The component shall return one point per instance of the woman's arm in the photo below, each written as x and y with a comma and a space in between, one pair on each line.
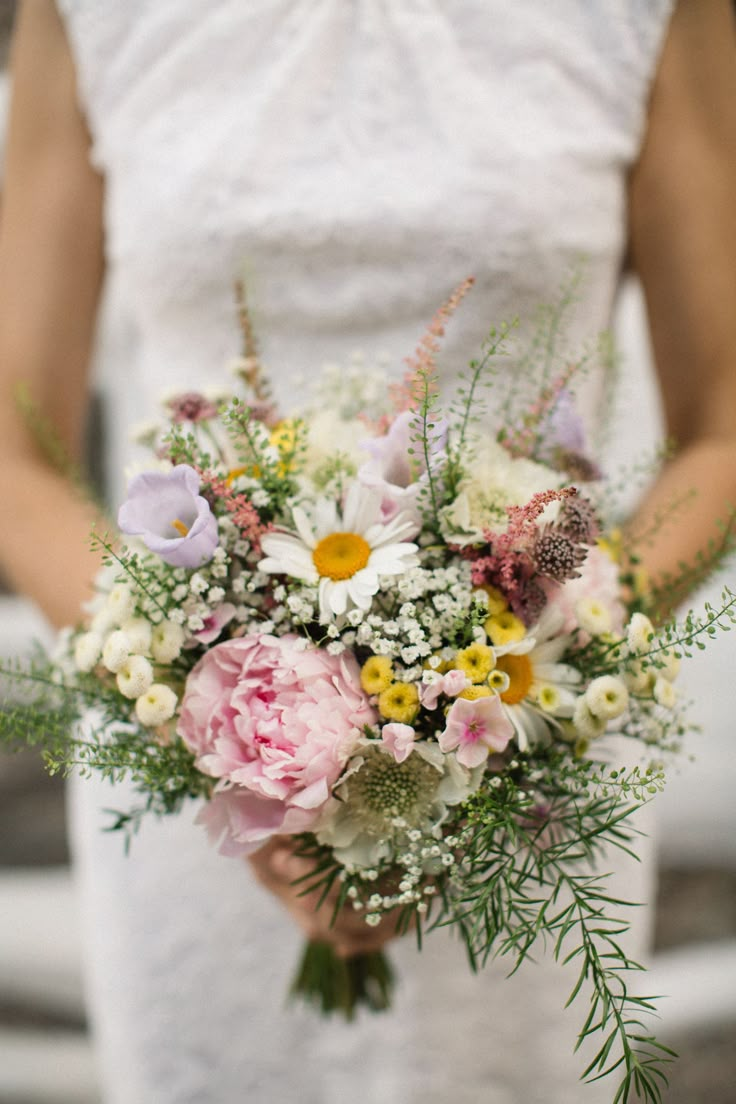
51, 268
683, 245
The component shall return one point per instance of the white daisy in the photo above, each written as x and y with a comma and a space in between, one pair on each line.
346, 552
540, 688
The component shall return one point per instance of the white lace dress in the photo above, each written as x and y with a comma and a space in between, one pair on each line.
355, 159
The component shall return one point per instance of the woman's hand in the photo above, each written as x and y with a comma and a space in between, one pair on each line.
277, 867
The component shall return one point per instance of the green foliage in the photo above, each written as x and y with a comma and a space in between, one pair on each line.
85, 726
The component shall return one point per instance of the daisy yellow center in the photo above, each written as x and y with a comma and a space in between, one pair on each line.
341, 555
519, 670
180, 527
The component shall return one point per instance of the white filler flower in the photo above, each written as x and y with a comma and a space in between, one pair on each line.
346, 555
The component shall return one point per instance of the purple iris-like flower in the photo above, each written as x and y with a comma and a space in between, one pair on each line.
396, 472
167, 512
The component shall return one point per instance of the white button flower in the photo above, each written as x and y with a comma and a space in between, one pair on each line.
156, 706
346, 554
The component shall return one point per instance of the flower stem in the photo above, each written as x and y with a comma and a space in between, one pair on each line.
343, 985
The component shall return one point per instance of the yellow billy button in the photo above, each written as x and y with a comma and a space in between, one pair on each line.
472, 693
476, 661
505, 628
519, 670
399, 702
341, 555
376, 674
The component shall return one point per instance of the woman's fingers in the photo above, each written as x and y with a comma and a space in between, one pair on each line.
278, 868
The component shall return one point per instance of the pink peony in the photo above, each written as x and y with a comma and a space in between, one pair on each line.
275, 723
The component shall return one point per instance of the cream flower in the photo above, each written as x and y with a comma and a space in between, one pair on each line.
494, 481
156, 706
346, 553
607, 697
87, 649
135, 676
639, 634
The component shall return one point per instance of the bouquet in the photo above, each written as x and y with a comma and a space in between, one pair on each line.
400, 635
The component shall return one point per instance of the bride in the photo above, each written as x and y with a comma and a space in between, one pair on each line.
357, 159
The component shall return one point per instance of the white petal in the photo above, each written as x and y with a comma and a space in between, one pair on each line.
390, 560
559, 674
326, 518
336, 594
361, 508
288, 556
304, 526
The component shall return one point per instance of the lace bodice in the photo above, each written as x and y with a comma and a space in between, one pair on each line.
353, 160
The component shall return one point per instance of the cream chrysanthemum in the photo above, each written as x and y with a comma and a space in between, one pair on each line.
345, 554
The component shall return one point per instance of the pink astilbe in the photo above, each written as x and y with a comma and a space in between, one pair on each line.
510, 563
238, 505
422, 363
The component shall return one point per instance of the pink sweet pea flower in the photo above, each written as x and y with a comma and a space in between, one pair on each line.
476, 728
275, 723
166, 510
399, 739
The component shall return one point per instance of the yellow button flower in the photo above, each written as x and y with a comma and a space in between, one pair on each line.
376, 674
505, 628
472, 693
399, 702
476, 661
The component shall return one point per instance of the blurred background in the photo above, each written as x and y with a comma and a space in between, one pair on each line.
45, 1051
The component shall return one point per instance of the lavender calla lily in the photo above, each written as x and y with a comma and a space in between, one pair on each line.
166, 510
393, 469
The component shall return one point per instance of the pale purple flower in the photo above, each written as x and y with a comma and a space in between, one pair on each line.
399, 739
393, 470
172, 519
476, 728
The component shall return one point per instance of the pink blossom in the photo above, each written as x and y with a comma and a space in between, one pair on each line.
215, 623
476, 728
394, 471
451, 684
191, 406
399, 739
275, 723
598, 580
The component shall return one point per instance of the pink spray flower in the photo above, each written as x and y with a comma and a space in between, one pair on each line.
399, 739
276, 724
215, 623
476, 728
451, 684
